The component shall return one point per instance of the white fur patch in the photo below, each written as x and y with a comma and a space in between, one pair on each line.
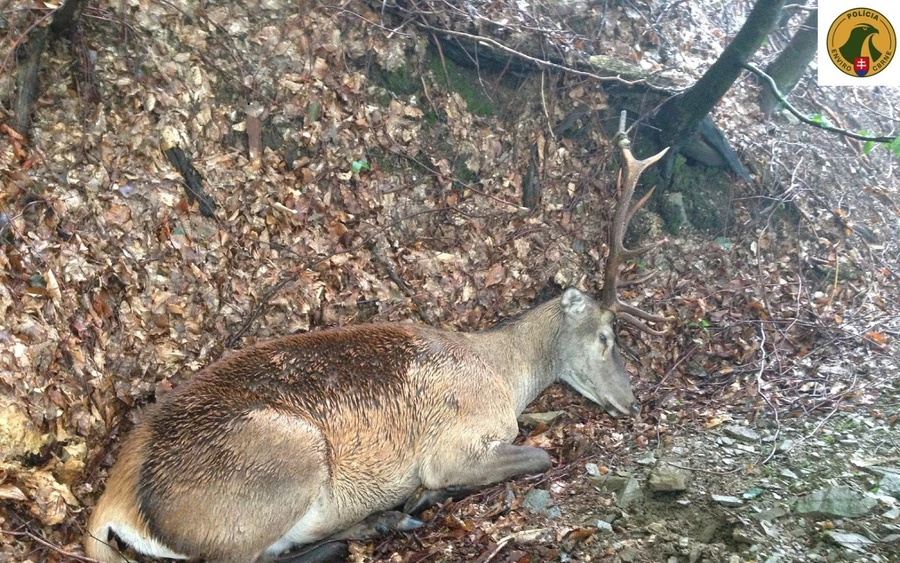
311, 527
143, 545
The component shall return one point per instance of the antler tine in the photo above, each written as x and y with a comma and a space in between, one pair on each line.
640, 203
618, 254
643, 326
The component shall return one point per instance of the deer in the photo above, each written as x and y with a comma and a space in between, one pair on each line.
315, 437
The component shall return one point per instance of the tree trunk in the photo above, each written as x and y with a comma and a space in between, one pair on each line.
680, 116
65, 18
788, 68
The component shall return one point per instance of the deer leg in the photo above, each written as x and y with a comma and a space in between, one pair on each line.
324, 552
462, 475
379, 524
423, 499
334, 548
500, 461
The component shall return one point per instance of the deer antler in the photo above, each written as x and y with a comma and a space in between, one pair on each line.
618, 254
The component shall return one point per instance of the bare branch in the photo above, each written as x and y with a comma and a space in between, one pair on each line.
787, 105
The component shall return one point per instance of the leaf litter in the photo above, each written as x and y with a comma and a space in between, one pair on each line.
115, 287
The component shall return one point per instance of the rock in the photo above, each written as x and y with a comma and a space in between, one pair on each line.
849, 540
592, 469
890, 485
741, 433
892, 514
752, 493
604, 527
666, 478
629, 555
708, 533
537, 500
609, 483
837, 502
787, 473
535, 418
726, 500
647, 459
675, 205
785, 446
630, 493
610, 517
771, 514
742, 535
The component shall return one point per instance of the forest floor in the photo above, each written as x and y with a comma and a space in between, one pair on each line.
769, 429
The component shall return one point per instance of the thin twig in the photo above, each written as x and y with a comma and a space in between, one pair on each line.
50, 545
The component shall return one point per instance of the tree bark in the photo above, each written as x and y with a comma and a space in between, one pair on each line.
65, 18
787, 69
680, 116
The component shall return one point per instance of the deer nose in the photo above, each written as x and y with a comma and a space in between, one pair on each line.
635, 408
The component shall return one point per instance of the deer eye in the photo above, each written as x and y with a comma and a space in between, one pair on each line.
603, 339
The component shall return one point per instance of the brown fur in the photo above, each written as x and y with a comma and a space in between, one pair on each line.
337, 424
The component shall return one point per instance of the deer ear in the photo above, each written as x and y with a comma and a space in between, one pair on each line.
573, 302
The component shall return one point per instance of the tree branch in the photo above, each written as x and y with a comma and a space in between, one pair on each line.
771, 84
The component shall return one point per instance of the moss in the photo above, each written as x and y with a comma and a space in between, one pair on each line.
401, 81
463, 81
707, 195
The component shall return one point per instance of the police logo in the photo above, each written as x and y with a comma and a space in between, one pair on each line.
861, 42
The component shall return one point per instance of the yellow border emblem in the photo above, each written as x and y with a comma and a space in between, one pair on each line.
861, 42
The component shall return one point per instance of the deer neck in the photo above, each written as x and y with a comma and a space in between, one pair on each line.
522, 351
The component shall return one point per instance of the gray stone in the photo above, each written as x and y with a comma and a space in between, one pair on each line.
836, 502
647, 459
742, 535
604, 527
708, 532
890, 485
892, 514
784, 446
666, 478
726, 500
788, 473
610, 517
849, 540
771, 514
537, 500
741, 433
631, 493
609, 483
629, 555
